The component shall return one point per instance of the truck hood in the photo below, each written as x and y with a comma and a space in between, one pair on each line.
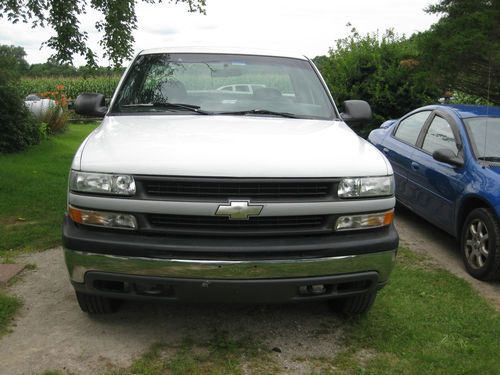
228, 146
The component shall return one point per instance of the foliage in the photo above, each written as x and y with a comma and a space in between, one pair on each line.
8, 306
462, 49
381, 69
73, 86
463, 98
18, 128
116, 26
33, 192
53, 69
13, 58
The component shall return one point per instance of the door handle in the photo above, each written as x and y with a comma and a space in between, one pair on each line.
415, 166
385, 150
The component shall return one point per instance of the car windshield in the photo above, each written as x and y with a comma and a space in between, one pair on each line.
244, 85
484, 133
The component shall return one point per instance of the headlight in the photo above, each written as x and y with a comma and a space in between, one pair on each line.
102, 183
105, 219
366, 187
366, 221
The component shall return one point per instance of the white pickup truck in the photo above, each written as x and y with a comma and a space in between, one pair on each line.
189, 193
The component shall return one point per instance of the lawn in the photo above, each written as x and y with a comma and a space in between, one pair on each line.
33, 192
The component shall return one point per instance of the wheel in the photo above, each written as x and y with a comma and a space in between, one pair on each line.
93, 304
354, 305
480, 244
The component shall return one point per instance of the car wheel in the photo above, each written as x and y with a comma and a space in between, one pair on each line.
480, 244
354, 305
93, 304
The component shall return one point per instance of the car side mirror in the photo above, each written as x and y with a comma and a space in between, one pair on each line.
445, 155
356, 112
91, 104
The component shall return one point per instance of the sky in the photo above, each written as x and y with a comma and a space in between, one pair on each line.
308, 27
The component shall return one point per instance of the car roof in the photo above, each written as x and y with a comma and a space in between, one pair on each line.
223, 50
469, 110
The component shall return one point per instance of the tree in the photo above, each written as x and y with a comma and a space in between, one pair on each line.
13, 58
118, 23
462, 49
381, 69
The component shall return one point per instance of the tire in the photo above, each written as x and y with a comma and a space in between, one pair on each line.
358, 304
480, 244
93, 304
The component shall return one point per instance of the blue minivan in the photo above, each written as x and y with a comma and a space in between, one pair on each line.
446, 161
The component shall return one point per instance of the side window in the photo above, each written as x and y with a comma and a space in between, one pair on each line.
439, 135
242, 88
409, 129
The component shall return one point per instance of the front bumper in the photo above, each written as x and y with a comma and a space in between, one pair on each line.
252, 270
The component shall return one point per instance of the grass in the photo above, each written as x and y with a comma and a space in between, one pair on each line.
33, 192
427, 321
8, 307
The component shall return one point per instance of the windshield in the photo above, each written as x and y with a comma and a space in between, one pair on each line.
223, 84
484, 133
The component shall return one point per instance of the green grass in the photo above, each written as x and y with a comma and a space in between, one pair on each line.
8, 307
427, 321
33, 192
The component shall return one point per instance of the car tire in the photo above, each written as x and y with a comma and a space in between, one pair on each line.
93, 304
480, 244
358, 304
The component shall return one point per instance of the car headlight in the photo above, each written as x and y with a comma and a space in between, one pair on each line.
366, 187
115, 220
102, 183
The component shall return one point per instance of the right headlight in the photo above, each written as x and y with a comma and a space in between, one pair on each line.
102, 183
359, 187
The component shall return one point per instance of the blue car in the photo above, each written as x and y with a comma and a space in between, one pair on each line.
446, 161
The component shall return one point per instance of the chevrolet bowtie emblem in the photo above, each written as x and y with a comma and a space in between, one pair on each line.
238, 210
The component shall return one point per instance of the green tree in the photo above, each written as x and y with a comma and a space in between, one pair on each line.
13, 59
116, 26
462, 49
381, 69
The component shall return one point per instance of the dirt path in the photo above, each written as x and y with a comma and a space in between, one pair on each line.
420, 236
51, 332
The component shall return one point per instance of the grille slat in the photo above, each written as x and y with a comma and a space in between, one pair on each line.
211, 189
221, 225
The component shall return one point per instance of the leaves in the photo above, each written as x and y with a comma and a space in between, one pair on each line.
118, 23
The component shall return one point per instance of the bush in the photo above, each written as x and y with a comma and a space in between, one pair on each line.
18, 128
383, 70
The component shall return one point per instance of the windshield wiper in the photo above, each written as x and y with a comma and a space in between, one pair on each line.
258, 112
168, 105
495, 159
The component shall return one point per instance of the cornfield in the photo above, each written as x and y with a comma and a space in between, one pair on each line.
73, 86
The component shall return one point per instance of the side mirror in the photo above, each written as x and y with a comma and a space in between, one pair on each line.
445, 155
356, 112
91, 104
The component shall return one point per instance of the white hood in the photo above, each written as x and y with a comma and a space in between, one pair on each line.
231, 146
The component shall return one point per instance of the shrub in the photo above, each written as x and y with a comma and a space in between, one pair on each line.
55, 118
18, 128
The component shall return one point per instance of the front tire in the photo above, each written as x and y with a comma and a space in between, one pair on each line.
93, 304
480, 244
358, 304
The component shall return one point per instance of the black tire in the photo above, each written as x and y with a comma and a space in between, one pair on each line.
358, 304
480, 244
93, 304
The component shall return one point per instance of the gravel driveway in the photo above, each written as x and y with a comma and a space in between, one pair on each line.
50, 332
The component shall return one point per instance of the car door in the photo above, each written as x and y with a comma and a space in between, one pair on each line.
434, 186
399, 147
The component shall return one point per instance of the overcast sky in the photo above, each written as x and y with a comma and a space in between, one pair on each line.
306, 26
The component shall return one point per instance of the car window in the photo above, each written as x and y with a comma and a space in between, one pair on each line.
439, 135
242, 88
409, 129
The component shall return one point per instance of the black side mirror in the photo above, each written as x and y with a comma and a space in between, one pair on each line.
356, 112
91, 104
445, 155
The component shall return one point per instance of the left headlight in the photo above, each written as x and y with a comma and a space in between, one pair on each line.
102, 183
366, 187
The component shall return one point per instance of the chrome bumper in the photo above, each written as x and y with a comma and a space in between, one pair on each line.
79, 263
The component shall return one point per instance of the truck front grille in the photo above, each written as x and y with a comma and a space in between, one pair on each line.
214, 225
223, 188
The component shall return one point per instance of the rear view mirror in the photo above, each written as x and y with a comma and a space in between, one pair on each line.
447, 156
356, 112
91, 104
